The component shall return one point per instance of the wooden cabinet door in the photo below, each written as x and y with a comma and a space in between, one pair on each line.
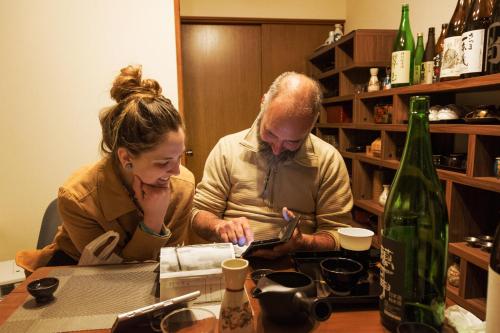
222, 84
286, 47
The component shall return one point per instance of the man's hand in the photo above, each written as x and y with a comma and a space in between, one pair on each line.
236, 231
154, 202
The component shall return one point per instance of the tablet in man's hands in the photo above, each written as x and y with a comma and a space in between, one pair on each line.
284, 236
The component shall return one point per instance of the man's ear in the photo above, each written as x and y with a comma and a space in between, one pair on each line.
124, 157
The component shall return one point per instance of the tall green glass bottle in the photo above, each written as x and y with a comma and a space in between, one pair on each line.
417, 61
403, 52
414, 232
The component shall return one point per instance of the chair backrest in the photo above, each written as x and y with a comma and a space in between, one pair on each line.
50, 222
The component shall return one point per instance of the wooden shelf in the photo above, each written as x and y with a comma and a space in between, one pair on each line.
334, 125
473, 255
370, 206
488, 130
355, 66
493, 130
486, 81
322, 51
338, 99
484, 183
328, 74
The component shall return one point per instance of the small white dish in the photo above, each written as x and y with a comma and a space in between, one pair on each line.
355, 239
446, 113
433, 112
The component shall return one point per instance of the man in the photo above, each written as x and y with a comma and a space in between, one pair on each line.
251, 175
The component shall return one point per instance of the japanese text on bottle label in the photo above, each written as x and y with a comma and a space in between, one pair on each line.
400, 67
473, 42
392, 277
428, 71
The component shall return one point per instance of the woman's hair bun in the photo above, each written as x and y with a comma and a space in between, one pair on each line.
129, 82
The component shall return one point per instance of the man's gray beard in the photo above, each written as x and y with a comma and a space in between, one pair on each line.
266, 150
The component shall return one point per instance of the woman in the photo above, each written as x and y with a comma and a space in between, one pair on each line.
138, 191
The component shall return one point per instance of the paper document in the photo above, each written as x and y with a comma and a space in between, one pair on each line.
194, 267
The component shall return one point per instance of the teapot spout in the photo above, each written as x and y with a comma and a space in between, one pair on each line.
256, 292
316, 308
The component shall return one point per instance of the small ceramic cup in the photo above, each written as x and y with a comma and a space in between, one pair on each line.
341, 274
355, 239
43, 289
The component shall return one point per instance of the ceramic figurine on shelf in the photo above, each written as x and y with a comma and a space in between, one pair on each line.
337, 32
330, 39
235, 312
373, 84
383, 196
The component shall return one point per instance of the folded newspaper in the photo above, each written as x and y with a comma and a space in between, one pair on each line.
195, 267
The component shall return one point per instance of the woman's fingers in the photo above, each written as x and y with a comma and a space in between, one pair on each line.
137, 187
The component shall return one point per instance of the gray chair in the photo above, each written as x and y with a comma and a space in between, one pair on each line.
50, 222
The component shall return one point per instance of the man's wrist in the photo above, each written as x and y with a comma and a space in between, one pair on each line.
321, 241
147, 227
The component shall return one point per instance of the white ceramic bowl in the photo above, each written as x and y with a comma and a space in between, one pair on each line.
355, 239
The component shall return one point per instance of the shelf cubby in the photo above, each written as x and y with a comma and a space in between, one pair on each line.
330, 85
392, 145
367, 108
323, 58
471, 293
450, 151
330, 135
487, 149
473, 212
337, 112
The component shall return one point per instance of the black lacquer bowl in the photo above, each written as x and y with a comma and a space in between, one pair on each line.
43, 289
341, 274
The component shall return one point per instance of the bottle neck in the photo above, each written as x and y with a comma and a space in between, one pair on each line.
405, 19
418, 151
420, 41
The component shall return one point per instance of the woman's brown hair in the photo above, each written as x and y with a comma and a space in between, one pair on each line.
141, 117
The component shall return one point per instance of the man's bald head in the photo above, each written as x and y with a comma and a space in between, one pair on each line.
298, 95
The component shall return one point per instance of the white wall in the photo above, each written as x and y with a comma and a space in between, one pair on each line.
59, 58
386, 14
300, 9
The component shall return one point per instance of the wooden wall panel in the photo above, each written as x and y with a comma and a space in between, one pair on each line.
286, 47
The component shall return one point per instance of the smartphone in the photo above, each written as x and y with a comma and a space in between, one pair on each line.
284, 236
142, 319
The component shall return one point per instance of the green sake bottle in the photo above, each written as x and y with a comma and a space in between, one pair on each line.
417, 61
403, 52
414, 233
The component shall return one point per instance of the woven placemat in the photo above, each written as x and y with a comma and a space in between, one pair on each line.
87, 298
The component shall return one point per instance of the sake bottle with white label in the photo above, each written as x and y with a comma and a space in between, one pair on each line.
474, 37
453, 54
403, 52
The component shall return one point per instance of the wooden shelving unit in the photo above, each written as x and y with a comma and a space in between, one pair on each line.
472, 194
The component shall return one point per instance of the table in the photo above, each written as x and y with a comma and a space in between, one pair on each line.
346, 321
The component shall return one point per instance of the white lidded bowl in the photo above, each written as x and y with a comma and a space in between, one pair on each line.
355, 239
